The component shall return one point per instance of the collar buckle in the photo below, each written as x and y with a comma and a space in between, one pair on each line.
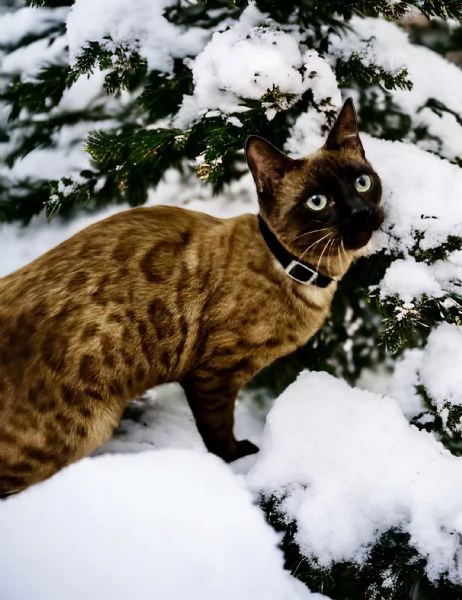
295, 266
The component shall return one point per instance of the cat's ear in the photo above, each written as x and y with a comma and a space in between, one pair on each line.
344, 133
266, 163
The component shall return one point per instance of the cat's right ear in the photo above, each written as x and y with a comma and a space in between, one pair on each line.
267, 164
344, 133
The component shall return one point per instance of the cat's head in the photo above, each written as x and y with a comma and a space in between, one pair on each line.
324, 207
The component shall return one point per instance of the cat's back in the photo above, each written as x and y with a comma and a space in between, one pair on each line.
97, 250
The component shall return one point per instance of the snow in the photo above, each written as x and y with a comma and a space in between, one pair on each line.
246, 61
409, 279
404, 381
169, 524
27, 60
443, 352
142, 27
17, 25
435, 368
347, 467
384, 43
162, 419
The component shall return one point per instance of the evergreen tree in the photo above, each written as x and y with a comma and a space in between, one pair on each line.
133, 136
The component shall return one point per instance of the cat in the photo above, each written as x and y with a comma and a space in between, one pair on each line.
161, 294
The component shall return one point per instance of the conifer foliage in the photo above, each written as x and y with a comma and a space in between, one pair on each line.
140, 118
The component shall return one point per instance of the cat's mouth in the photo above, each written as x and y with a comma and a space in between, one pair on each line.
358, 237
357, 240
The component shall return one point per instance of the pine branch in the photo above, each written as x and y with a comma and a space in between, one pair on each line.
126, 69
38, 95
408, 324
354, 71
55, 30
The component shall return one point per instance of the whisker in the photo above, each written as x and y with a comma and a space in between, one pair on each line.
309, 233
343, 250
320, 257
329, 253
340, 258
314, 244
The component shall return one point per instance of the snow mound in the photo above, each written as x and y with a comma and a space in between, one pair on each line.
347, 467
167, 525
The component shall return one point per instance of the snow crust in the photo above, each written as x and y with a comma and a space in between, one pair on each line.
169, 524
347, 467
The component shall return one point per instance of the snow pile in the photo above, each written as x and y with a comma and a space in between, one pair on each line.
168, 525
421, 194
141, 26
347, 467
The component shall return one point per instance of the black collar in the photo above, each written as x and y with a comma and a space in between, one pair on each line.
299, 271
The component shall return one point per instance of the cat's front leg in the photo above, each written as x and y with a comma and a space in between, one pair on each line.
212, 399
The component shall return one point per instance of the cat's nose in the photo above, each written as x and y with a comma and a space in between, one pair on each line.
358, 210
357, 215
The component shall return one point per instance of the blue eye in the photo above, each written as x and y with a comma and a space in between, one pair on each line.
363, 183
316, 202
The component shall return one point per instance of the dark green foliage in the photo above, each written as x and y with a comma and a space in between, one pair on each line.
354, 71
36, 96
125, 68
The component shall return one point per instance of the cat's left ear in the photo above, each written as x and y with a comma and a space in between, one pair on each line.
344, 133
267, 164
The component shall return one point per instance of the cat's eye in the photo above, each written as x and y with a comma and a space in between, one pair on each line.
316, 202
363, 183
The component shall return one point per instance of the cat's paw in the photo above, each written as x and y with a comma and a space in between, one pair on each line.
243, 448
